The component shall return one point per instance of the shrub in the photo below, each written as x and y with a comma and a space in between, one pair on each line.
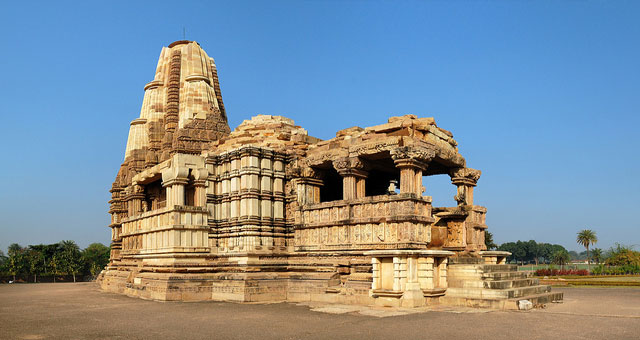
623, 256
615, 270
598, 270
561, 272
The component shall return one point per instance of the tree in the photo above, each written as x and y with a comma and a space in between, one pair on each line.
16, 263
545, 250
3, 261
71, 258
586, 238
533, 251
510, 247
520, 251
55, 264
596, 254
14, 248
573, 255
96, 257
488, 241
560, 257
622, 256
36, 261
49, 251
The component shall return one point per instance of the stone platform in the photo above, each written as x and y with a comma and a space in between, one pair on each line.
498, 286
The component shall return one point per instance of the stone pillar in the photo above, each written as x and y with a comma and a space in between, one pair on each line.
305, 181
308, 186
416, 274
411, 162
134, 200
465, 179
376, 276
200, 184
412, 296
174, 179
353, 176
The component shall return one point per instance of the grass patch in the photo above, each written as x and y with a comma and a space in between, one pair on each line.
601, 280
604, 283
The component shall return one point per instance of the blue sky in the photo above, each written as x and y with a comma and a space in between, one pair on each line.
541, 96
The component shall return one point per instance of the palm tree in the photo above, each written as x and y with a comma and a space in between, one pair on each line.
596, 254
560, 257
586, 238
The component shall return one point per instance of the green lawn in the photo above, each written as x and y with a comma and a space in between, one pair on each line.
545, 266
613, 278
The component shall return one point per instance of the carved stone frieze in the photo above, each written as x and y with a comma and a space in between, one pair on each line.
423, 155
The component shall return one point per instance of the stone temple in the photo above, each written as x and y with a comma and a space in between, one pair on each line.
268, 213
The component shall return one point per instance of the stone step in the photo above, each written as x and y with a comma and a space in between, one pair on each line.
536, 299
490, 268
507, 275
515, 292
513, 283
466, 260
477, 282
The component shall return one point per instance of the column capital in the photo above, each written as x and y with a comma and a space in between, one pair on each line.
135, 191
200, 177
177, 175
298, 170
409, 156
465, 176
350, 166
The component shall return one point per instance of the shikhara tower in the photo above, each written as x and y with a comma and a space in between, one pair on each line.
268, 213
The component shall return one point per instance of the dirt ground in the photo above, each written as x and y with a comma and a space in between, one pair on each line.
81, 311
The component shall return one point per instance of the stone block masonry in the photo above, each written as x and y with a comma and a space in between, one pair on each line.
268, 213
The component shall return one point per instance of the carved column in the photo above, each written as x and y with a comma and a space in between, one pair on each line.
309, 185
134, 200
305, 182
174, 180
465, 179
200, 184
353, 177
411, 162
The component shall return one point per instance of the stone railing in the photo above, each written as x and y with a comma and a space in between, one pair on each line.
176, 229
376, 222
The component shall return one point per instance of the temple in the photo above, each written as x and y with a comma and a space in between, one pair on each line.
268, 213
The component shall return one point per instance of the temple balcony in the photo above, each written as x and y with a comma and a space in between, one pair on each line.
174, 229
400, 221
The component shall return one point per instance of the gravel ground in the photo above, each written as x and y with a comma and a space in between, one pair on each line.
81, 311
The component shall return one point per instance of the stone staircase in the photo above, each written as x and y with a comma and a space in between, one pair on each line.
497, 286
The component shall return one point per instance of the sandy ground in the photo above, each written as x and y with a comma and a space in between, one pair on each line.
81, 311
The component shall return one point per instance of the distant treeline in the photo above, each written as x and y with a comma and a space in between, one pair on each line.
47, 261
533, 252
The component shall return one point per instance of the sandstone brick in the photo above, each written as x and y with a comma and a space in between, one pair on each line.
268, 213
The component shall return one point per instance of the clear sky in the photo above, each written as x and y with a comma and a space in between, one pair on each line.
542, 96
